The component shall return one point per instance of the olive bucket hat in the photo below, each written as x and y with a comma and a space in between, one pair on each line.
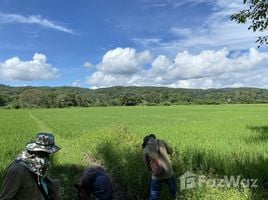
43, 142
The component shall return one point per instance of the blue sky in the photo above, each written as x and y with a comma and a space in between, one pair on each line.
100, 43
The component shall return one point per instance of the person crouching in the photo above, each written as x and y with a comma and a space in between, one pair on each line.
95, 181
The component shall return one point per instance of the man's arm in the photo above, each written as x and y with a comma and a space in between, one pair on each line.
168, 148
11, 184
146, 159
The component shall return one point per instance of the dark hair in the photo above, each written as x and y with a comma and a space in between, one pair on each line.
147, 138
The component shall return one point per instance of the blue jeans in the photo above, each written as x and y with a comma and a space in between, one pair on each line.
157, 184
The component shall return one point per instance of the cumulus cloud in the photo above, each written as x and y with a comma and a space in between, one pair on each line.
15, 69
32, 19
254, 78
208, 69
123, 61
120, 66
207, 63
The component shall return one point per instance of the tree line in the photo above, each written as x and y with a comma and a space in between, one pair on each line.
60, 97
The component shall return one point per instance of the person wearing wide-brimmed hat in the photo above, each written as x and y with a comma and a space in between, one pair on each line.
26, 178
156, 158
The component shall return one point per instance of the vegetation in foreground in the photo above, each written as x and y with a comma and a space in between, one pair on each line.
208, 140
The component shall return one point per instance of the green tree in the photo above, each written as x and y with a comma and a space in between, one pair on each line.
130, 100
256, 14
30, 97
3, 100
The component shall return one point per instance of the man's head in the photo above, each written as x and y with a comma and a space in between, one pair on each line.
36, 154
147, 138
43, 145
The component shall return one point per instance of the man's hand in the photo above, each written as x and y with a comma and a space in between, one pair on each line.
83, 196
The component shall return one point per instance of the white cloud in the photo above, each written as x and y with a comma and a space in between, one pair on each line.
123, 61
217, 34
216, 31
76, 83
88, 64
15, 69
99, 79
184, 32
175, 3
147, 42
32, 19
254, 78
211, 63
208, 69
160, 65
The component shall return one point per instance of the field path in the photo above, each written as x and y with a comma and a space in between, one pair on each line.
41, 125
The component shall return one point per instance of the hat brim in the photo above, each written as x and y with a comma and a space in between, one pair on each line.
36, 147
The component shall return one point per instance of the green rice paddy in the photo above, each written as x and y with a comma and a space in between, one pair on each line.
215, 141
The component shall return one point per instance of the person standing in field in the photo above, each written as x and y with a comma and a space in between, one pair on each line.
156, 158
26, 178
95, 181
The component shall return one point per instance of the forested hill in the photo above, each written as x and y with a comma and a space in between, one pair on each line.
50, 97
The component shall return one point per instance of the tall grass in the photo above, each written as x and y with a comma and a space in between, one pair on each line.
16, 128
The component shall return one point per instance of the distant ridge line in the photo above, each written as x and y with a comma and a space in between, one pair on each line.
66, 96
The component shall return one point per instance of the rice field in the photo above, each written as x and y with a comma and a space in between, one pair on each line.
213, 141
